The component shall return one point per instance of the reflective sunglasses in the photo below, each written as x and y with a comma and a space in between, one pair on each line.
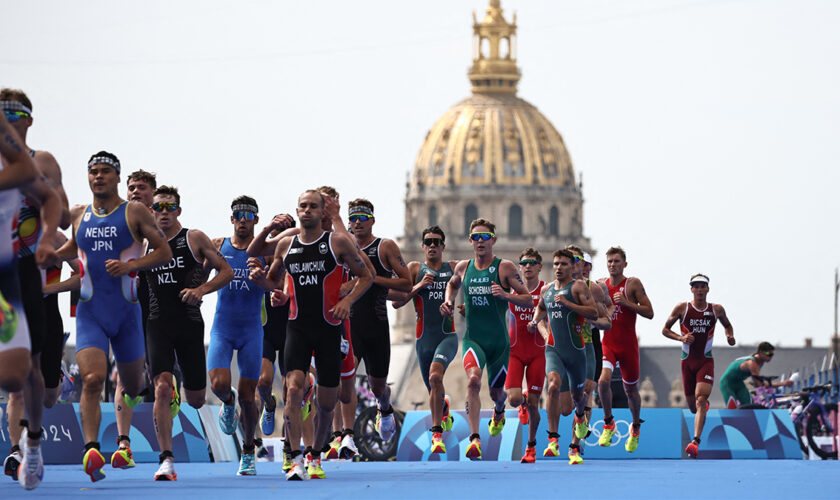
481, 236
239, 214
528, 262
13, 116
578, 258
164, 206
360, 218
767, 353
433, 241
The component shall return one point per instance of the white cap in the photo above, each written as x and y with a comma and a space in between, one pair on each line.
699, 279
587, 258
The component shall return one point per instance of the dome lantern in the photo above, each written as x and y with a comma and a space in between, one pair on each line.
494, 67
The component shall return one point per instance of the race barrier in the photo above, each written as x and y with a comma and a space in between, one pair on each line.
728, 434
63, 443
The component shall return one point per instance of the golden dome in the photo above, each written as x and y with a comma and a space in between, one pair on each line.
493, 137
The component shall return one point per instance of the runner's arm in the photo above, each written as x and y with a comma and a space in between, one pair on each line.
394, 260
398, 298
145, 227
18, 167
349, 255
69, 251
727, 325
675, 315
604, 321
208, 253
509, 276
452, 287
48, 166
263, 243
276, 274
585, 306
640, 303
50, 210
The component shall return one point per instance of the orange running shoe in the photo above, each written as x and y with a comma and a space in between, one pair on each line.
530, 455
691, 449
523, 414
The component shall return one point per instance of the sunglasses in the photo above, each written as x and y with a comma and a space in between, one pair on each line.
239, 214
13, 116
767, 353
433, 241
482, 236
578, 258
360, 218
528, 262
164, 206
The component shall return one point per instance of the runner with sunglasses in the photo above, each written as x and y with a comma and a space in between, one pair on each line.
237, 325
732, 386
487, 280
437, 342
564, 305
175, 329
621, 346
697, 327
370, 332
605, 310
17, 109
527, 354
108, 239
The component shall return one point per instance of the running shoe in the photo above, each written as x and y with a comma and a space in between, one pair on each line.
581, 427
348, 449
574, 456
607, 434
11, 464
267, 418
496, 426
448, 420
166, 471
122, 459
386, 426
31, 470
175, 402
287, 462
553, 448
691, 449
437, 443
93, 463
632, 441
229, 416
474, 450
297, 472
332, 453
8, 320
523, 414
306, 402
530, 455
314, 470
132, 401
246, 465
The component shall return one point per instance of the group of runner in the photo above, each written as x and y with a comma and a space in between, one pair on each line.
311, 298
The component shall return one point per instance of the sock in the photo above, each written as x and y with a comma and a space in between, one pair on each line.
474, 436
164, 455
532, 444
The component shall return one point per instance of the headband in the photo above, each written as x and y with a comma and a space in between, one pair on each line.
14, 106
244, 207
104, 160
360, 209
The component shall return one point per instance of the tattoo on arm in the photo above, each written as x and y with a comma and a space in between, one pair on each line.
400, 259
12, 143
160, 233
519, 278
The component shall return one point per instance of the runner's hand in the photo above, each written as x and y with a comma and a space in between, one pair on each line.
688, 338
280, 222
462, 310
278, 298
45, 255
118, 268
427, 280
341, 311
346, 288
497, 290
446, 309
191, 296
620, 299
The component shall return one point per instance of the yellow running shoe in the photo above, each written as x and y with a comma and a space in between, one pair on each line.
574, 456
581, 427
287, 462
315, 470
307, 409
8, 321
335, 444
447, 420
553, 448
122, 459
474, 450
437, 443
607, 434
175, 402
93, 462
496, 426
632, 441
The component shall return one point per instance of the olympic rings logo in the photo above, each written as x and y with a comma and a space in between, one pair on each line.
622, 431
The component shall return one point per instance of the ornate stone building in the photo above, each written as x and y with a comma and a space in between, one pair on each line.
492, 155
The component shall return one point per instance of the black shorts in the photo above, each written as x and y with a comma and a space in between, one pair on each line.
167, 338
33, 302
274, 335
599, 353
372, 343
322, 340
53, 343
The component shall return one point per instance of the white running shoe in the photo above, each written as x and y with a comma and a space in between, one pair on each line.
348, 448
166, 471
31, 470
387, 426
229, 416
297, 472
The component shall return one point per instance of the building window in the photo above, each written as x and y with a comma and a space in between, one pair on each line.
433, 216
470, 214
554, 221
515, 221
